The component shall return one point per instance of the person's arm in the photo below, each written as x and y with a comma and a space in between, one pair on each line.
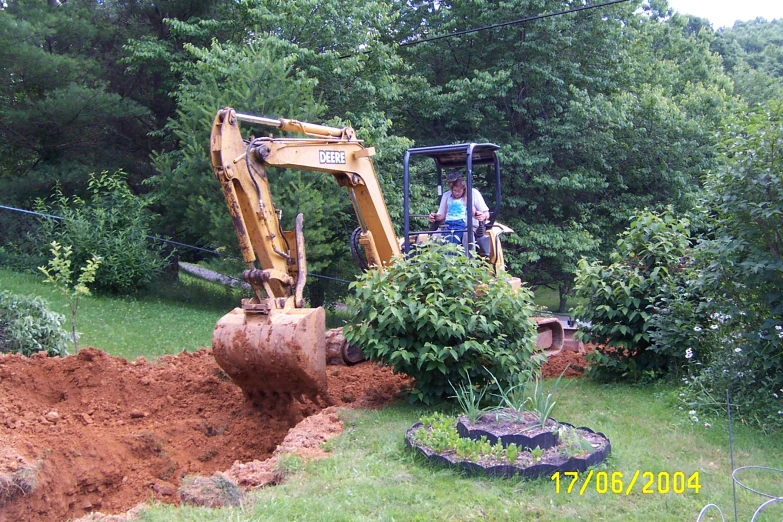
480, 208
441, 214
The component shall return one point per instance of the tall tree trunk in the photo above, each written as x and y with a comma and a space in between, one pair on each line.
564, 290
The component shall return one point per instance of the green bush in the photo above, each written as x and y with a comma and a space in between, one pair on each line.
28, 326
112, 224
441, 318
624, 298
740, 274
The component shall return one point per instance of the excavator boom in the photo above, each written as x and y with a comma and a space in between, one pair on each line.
272, 344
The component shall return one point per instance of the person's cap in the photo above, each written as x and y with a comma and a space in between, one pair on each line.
453, 176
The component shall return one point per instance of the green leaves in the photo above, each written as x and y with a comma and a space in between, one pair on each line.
59, 273
444, 320
622, 298
27, 326
113, 224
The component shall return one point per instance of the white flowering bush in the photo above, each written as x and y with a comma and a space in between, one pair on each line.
754, 398
737, 320
716, 317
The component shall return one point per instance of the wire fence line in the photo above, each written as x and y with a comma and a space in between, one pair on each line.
164, 240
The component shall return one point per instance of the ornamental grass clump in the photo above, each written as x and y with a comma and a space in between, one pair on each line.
513, 400
470, 398
542, 403
444, 320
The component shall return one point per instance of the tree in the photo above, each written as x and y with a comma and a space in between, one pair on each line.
753, 55
597, 116
739, 281
58, 113
60, 274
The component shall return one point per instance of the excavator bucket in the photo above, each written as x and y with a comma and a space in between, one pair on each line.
281, 354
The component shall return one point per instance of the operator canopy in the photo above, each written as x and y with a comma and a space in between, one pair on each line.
456, 156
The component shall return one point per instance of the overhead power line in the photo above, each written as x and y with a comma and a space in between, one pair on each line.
510, 22
494, 26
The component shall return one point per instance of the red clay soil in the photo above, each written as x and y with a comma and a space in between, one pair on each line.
575, 361
91, 432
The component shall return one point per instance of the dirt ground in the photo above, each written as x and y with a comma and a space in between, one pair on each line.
574, 361
91, 432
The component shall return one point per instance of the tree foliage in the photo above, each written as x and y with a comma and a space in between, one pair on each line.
257, 79
597, 116
752, 52
741, 276
61, 114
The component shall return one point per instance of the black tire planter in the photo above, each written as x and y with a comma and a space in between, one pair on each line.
544, 440
535, 471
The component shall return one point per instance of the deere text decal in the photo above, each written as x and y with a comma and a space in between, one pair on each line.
331, 157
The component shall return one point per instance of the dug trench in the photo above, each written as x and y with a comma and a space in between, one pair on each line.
91, 432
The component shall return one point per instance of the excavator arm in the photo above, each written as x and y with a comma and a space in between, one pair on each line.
326, 149
272, 344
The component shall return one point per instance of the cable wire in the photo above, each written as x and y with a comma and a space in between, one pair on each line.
510, 22
493, 26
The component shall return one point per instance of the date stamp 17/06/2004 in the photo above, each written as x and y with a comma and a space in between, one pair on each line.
618, 483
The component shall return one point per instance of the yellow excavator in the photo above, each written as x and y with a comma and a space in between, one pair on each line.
273, 345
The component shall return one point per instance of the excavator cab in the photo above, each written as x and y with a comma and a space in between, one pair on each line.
468, 158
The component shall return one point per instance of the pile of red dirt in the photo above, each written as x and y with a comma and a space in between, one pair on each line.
573, 360
91, 432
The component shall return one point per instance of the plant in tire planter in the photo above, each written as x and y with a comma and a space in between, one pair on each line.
437, 439
527, 434
511, 423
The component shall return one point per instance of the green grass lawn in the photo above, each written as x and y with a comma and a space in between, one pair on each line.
168, 320
550, 299
371, 476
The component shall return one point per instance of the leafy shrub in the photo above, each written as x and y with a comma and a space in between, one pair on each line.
113, 224
442, 318
623, 298
740, 275
28, 326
